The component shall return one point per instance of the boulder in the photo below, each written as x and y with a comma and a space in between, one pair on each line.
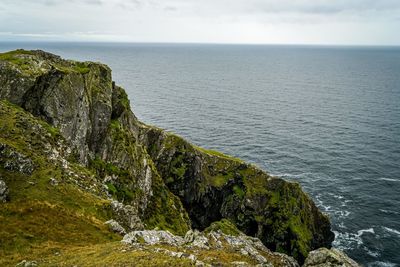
115, 227
152, 237
324, 257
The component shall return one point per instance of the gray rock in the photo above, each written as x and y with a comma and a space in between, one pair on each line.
3, 191
152, 237
196, 239
26, 263
324, 257
53, 181
126, 216
12, 160
115, 227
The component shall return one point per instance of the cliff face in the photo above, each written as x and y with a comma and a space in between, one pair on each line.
148, 177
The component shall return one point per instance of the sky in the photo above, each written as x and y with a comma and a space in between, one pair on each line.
327, 22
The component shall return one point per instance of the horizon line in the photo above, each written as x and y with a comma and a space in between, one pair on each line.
199, 43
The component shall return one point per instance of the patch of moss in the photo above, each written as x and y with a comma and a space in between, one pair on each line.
238, 191
81, 67
225, 226
111, 188
220, 179
217, 154
165, 212
14, 57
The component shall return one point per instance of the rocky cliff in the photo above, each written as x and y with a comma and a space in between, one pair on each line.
73, 156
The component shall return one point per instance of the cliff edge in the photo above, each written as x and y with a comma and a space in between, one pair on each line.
74, 156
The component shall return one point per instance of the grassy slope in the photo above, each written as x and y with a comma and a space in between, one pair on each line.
63, 225
39, 215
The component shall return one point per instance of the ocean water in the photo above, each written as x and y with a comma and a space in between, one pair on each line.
326, 117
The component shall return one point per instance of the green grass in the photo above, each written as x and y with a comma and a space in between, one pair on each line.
225, 226
217, 154
81, 67
23, 59
38, 212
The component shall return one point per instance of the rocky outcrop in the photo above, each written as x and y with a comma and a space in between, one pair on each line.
214, 240
116, 227
213, 186
324, 257
153, 237
127, 216
155, 179
12, 160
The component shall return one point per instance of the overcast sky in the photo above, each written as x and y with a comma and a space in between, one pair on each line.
365, 22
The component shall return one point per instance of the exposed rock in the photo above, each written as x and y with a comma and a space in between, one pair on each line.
126, 215
53, 181
247, 246
324, 257
152, 237
3, 191
115, 227
196, 239
181, 255
26, 263
12, 160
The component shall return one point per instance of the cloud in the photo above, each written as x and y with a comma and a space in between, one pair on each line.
205, 20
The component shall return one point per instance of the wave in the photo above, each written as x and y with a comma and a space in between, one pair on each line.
369, 230
389, 179
389, 211
382, 264
346, 240
390, 230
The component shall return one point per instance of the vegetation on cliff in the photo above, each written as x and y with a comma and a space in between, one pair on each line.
87, 159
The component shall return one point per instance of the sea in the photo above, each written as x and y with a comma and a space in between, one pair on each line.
327, 117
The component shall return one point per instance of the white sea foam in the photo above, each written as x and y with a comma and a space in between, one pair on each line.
389, 179
390, 230
342, 213
361, 232
347, 240
382, 264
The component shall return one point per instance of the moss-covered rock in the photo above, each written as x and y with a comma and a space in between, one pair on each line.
213, 186
225, 226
